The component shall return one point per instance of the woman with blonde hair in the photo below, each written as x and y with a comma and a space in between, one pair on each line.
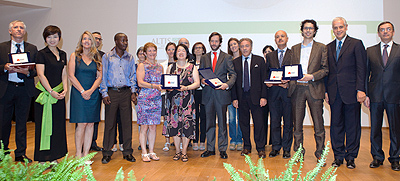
85, 73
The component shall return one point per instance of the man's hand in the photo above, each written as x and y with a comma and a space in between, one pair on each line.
326, 98
269, 85
235, 103
107, 100
285, 85
133, 98
361, 96
223, 86
203, 81
263, 102
8, 68
367, 102
22, 70
307, 77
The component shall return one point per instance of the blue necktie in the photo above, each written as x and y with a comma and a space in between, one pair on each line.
246, 84
338, 50
21, 76
281, 57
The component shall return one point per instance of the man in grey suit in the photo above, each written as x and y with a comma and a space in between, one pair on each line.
217, 100
383, 75
312, 56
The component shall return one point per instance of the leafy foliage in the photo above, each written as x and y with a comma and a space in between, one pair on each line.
258, 172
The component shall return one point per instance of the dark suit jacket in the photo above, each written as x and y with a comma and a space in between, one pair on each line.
273, 63
5, 49
383, 81
258, 73
223, 70
347, 75
317, 66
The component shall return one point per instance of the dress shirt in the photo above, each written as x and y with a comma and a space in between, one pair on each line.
389, 48
248, 63
13, 77
118, 72
305, 57
337, 41
284, 52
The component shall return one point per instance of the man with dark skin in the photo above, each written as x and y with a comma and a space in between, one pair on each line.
118, 90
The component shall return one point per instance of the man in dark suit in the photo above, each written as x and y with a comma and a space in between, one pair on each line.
217, 100
383, 75
312, 56
345, 85
249, 93
278, 100
94, 147
16, 89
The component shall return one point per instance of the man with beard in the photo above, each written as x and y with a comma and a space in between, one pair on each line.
118, 90
217, 100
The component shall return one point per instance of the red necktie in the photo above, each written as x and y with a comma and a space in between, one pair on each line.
214, 61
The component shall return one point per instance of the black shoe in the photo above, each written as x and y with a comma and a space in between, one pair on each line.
172, 144
337, 163
22, 159
223, 154
375, 163
106, 159
351, 164
96, 148
130, 158
395, 166
139, 148
190, 145
273, 153
286, 154
207, 154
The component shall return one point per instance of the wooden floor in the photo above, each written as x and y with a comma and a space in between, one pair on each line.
198, 168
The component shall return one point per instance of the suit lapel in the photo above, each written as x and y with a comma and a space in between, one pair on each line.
379, 54
312, 54
297, 49
333, 49
221, 57
286, 57
252, 64
393, 51
346, 44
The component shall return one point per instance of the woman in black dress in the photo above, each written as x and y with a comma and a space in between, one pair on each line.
50, 131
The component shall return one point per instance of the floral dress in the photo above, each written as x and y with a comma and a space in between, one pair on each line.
181, 118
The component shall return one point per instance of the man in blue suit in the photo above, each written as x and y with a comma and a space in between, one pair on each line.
345, 85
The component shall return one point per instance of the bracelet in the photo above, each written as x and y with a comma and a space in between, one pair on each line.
83, 90
51, 91
151, 85
187, 88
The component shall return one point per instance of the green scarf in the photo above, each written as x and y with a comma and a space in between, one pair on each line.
47, 100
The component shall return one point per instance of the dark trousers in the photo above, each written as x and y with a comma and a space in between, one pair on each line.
281, 107
245, 106
119, 100
345, 126
393, 115
300, 95
200, 117
119, 126
214, 108
266, 112
15, 98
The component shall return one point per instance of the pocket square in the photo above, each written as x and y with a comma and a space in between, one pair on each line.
255, 66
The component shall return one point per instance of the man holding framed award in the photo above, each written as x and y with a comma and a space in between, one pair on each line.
217, 100
16, 87
312, 56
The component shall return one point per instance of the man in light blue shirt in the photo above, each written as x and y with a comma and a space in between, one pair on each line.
118, 90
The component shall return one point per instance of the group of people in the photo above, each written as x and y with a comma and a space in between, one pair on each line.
343, 73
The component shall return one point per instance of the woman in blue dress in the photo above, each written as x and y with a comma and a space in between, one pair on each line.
84, 72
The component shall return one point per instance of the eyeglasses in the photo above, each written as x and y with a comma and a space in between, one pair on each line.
308, 28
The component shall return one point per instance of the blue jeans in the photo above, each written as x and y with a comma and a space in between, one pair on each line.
234, 129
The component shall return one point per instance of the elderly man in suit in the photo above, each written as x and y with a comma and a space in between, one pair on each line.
249, 93
312, 56
278, 100
345, 86
217, 100
383, 65
16, 89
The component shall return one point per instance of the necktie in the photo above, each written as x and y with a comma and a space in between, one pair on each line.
214, 60
385, 55
339, 47
21, 76
246, 84
281, 57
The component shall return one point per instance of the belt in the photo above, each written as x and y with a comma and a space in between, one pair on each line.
16, 84
303, 84
118, 88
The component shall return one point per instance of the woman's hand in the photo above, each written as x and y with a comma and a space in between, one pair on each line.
62, 95
86, 94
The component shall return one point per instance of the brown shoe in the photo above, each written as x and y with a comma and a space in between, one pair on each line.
245, 152
261, 154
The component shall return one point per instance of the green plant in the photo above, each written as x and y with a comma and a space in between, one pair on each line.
120, 176
258, 172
